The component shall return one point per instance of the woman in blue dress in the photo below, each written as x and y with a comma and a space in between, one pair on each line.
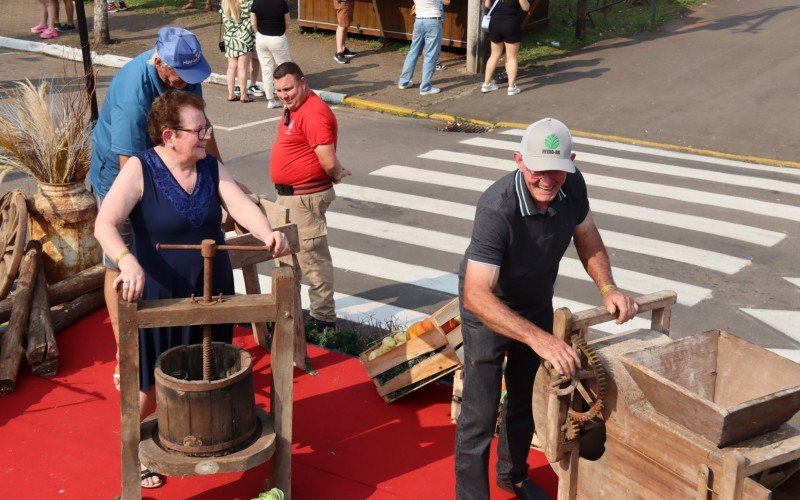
173, 194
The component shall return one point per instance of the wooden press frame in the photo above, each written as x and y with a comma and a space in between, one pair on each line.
282, 307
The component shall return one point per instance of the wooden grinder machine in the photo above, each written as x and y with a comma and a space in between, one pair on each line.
650, 417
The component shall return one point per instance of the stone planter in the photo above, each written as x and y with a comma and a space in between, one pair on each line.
62, 218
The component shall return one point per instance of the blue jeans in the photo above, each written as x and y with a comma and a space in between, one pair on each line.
483, 369
429, 32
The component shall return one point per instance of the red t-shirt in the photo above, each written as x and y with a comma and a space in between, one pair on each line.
293, 161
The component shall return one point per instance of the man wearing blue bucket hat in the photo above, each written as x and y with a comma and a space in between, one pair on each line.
176, 62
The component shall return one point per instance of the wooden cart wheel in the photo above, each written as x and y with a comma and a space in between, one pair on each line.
13, 235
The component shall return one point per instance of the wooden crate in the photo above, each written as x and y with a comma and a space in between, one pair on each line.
434, 350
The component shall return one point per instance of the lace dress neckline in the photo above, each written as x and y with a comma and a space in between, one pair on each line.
191, 206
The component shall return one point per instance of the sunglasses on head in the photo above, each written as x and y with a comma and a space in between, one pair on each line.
286, 116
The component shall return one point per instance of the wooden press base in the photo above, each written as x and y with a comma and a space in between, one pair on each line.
155, 457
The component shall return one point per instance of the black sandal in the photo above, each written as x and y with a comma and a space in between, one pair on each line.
147, 473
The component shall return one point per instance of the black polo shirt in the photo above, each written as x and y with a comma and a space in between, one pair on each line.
525, 243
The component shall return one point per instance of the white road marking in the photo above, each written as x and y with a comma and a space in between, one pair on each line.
408, 201
347, 306
367, 311
569, 267
793, 281
741, 232
793, 354
762, 208
246, 125
658, 168
786, 322
679, 253
670, 154
434, 279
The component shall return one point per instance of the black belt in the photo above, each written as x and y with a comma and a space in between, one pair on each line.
308, 188
429, 18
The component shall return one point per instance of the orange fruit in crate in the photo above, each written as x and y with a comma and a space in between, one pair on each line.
419, 328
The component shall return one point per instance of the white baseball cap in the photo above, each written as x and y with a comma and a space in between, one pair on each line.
547, 145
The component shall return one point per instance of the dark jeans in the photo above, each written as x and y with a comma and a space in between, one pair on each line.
483, 369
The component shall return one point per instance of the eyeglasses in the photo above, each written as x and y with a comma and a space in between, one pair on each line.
286, 117
202, 132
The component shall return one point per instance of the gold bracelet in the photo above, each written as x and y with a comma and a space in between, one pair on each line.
606, 288
121, 256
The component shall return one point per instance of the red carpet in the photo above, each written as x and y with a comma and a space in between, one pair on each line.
60, 436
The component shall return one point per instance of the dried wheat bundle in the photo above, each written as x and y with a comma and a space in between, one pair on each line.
45, 134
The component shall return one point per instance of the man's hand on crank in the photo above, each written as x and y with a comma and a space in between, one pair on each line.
615, 301
562, 357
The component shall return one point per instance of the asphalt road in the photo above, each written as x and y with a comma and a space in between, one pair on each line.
722, 234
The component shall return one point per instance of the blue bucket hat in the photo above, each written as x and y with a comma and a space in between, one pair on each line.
180, 50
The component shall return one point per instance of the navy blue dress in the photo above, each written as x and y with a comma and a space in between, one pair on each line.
168, 214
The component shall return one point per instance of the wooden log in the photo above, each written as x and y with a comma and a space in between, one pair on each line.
65, 315
42, 351
11, 349
63, 291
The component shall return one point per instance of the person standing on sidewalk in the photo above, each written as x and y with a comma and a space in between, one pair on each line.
523, 225
69, 11
505, 33
46, 29
428, 35
239, 38
177, 62
270, 20
304, 167
344, 16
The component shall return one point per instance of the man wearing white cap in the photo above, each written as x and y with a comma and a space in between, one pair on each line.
177, 62
523, 225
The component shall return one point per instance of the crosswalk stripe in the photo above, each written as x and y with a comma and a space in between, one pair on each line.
658, 168
347, 306
433, 279
708, 259
692, 173
794, 281
572, 268
669, 154
763, 208
362, 310
786, 322
732, 230
741, 232
408, 201
793, 354
679, 253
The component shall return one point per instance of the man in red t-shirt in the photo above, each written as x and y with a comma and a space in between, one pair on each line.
304, 168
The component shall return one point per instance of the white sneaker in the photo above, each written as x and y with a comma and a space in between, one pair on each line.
489, 87
274, 103
513, 90
406, 85
430, 91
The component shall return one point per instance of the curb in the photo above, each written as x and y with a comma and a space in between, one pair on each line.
113, 61
335, 98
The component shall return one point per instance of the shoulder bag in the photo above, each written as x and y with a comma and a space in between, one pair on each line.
487, 18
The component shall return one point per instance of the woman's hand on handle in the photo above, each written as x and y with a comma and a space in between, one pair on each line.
131, 277
277, 243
